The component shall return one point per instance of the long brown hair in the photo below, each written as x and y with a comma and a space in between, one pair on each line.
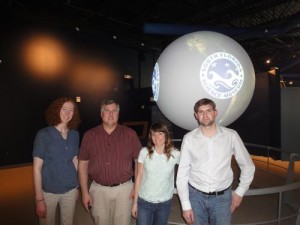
160, 127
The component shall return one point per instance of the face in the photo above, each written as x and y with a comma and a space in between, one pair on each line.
158, 138
206, 115
66, 112
110, 114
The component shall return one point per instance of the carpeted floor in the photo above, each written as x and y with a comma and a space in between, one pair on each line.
17, 198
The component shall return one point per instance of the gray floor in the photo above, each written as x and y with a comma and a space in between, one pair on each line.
17, 206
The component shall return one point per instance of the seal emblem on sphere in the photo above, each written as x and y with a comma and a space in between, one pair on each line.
221, 75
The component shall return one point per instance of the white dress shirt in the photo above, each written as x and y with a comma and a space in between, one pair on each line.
205, 163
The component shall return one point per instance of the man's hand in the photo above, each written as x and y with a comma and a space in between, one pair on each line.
236, 201
87, 201
188, 215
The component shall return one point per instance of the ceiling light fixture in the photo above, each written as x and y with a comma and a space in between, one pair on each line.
127, 76
273, 70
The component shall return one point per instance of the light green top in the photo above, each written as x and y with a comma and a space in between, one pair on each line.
158, 175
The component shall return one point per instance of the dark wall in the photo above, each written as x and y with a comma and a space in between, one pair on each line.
24, 100
260, 123
254, 124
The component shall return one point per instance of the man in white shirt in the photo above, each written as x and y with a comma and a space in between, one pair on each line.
204, 174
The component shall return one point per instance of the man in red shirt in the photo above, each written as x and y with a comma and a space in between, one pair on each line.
106, 155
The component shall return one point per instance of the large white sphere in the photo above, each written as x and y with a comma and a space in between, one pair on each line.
199, 65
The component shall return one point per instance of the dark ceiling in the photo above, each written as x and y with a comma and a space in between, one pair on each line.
267, 29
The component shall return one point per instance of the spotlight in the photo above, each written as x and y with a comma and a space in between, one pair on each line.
268, 61
44, 55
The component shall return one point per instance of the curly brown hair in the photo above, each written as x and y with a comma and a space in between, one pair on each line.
53, 113
160, 127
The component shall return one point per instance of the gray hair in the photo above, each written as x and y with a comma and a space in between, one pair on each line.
109, 101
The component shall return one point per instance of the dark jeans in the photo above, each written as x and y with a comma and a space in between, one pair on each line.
153, 213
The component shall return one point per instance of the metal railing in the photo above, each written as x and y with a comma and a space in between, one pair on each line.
285, 192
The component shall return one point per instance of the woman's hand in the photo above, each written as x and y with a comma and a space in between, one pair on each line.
134, 210
40, 209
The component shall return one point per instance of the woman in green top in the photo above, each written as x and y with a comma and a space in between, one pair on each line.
154, 185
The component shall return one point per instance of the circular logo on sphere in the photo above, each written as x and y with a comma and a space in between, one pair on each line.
155, 82
221, 75
198, 65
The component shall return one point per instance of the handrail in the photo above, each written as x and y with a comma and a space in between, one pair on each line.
272, 190
277, 189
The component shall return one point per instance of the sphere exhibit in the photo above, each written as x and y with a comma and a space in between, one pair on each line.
199, 65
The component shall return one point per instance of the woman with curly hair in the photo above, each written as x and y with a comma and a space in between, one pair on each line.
154, 183
55, 163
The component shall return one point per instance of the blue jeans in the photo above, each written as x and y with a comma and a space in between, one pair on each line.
215, 209
153, 213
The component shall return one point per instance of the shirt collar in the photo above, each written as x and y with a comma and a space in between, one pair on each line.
114, 131
198, 131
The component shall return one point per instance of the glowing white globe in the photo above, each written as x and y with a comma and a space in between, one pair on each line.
199, 65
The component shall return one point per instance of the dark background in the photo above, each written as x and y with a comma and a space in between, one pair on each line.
24, 99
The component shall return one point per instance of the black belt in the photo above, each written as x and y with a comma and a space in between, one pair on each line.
211, 193
114, 185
